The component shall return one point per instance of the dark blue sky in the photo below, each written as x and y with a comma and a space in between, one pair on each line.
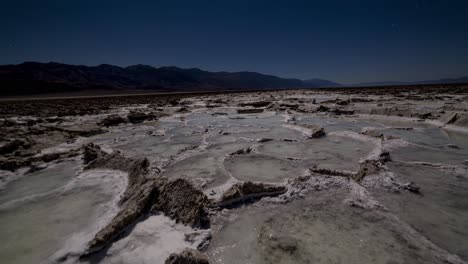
345, 41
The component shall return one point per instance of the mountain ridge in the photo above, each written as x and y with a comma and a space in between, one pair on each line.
435, 81
35, 78
39, 78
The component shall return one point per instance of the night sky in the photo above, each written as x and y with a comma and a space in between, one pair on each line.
344, 41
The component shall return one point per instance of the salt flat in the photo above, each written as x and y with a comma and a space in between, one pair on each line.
295, 176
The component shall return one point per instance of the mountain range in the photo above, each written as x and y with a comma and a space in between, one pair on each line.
393, 83
40, 78
31, 78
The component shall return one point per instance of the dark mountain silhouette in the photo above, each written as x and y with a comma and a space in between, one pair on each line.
39, 78
392, 83
320, 83
31, 78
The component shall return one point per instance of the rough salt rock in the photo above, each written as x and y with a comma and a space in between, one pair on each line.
412, 187
178, 200
391, 111
256, 104
339, 111
314, 131
289, 106
371, 132
10, 122
331, 172
130, 212
183, 110
188, 256
342, 102
174, 102
241, 151
385, 156
50, 157
12, 164
423, 115
452, 146
145, 193
181, 201
322, 108
139, 117
368, 167
361, 100
113, 120
83, 129
37, 167
11, 146
449, 118
241, 192
462, 120
91, 152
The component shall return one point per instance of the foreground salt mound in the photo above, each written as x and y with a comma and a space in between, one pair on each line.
146, 193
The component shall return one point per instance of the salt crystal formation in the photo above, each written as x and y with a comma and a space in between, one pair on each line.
375, 175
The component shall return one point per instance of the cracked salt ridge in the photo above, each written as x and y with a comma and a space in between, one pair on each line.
442, 146
423, 154
262, 168
239, 235
396, 121
408, 234
250, 127
441, 212
205, 169
338, 123
254, 134
113, 137
203, 173
429, 137
334, 151
157, 147
31, 186
207, 176
168, 141
68, 216
318, 228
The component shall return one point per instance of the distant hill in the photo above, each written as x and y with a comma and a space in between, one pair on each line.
391, 83
40, 78
34, 78
441, 81
321, 83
